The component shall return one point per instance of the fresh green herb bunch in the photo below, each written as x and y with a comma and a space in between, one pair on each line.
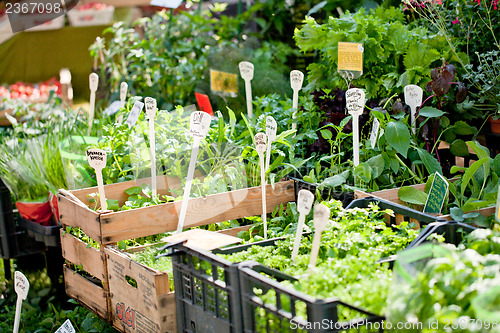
452, 287
394, 55
353, 242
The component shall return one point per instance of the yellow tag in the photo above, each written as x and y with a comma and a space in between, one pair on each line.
223, 82
350, 57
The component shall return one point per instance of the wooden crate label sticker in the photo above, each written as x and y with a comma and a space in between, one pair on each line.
350, 57
66, 327
437, 194
223, 82
126, 316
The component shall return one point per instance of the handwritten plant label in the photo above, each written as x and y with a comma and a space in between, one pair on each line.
413, 97
374, 132
66, 327
305, 200
437, 194
355, 101
151, 113
223, 82
150, 103
246, 70
260, 146
97, 160
296, 79
320, 219
21, 287
350, 57
271, 128
112, 108
199, 124
134, 114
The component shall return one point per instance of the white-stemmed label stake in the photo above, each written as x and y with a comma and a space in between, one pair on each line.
123, 96
296, 81
21, 287
355, 103
199, 126
413, 98
151, 113
97, 160
134, 114
93, 83
321, 216
260, 146
271, 128
246, 71
305, 201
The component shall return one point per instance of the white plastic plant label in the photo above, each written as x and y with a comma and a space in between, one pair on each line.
246, 70
374, 132
321, 216
112, 108
96, 158
93, 81
305, 200
260, 143
66, 327
296, 79
199, 124
150, 103
21, 286
355, 101
123, 92
134, 114
413, 98
271, 128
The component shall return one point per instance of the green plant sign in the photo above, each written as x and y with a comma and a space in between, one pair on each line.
437, 194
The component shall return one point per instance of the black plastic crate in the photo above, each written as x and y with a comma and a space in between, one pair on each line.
48, 235
280, 314
402, 213
207, 289
452, 231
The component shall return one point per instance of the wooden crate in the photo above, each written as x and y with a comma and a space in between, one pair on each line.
92, 294
147, 305
111, 227
108, 265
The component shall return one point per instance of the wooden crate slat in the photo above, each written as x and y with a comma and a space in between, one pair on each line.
146, 221
76, 216
86, 292
77, 252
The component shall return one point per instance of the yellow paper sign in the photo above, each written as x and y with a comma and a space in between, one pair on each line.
350, 57
223, 82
